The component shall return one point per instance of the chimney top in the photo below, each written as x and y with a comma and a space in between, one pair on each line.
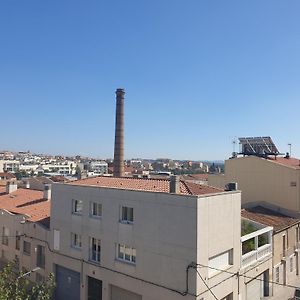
119, 134
119, 90
174, 184
11, 186
47, 192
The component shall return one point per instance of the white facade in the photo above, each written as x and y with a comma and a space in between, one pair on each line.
147, 244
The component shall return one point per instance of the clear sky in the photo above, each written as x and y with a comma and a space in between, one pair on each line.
197, 73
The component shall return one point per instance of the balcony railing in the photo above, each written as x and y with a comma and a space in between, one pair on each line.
255, 255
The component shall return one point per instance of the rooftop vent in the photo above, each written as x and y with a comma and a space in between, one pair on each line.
174, 184
231, 186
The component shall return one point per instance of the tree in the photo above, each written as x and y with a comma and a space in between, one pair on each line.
15, 285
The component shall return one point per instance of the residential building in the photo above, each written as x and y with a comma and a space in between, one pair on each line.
285, 243
9, 166
274, 181
127, 238
24, 223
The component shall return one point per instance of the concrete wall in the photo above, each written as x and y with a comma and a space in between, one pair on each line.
219, 230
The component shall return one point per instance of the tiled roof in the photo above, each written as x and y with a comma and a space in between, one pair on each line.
150, 185
7, 175
290, 162
202, 177
269, 217
26, 201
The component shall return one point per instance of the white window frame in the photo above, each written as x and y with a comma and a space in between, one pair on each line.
95, 250
76, 241
291, 264
126, 214
126, 254
96, 210
77, 206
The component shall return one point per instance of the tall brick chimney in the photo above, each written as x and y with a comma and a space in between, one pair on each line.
119, 135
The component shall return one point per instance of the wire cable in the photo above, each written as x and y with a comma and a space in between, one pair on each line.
210, 290
248, 277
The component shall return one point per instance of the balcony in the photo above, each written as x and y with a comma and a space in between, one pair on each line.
256, 242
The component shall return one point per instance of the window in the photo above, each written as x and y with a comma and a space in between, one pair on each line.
127, 214
77, 207
96, 209
5, 234
26, 248
76, 240
95, 250
56, 239
277, 274
126, 253
18, 240
40, 256
220, 262
291, 264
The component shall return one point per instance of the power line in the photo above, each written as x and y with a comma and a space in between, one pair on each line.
206, 285
248, 277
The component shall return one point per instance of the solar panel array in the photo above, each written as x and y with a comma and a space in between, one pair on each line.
259, 146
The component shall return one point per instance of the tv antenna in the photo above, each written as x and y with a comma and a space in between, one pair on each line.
290, 146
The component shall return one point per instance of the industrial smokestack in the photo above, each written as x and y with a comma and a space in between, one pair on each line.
119, 135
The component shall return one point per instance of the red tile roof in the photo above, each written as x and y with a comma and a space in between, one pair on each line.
150, 185
202, 177
269, 217
290, 162
28, 202
7, 175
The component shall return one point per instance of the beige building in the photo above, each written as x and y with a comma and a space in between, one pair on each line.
274, 181
24, 224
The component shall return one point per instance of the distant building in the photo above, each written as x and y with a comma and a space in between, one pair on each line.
9, 166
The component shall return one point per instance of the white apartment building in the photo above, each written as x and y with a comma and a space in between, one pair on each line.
9, 166
125, 238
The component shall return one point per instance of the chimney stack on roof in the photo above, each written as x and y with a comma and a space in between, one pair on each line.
47, 192
174, 184
27, 184
11, 186
119, 135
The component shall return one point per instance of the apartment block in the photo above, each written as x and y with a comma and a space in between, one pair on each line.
125, 238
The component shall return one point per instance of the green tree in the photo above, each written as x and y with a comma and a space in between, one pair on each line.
14, 285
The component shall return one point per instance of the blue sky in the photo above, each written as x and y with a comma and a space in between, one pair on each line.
196, 73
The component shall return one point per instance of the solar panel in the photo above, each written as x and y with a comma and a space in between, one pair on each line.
259, 146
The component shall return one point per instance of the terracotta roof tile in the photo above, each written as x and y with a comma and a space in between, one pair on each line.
269, 217
26, 201
150, 185
290, 162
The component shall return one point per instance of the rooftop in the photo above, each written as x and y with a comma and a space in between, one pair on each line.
290, 162
150, 185
27, 202
269, 217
